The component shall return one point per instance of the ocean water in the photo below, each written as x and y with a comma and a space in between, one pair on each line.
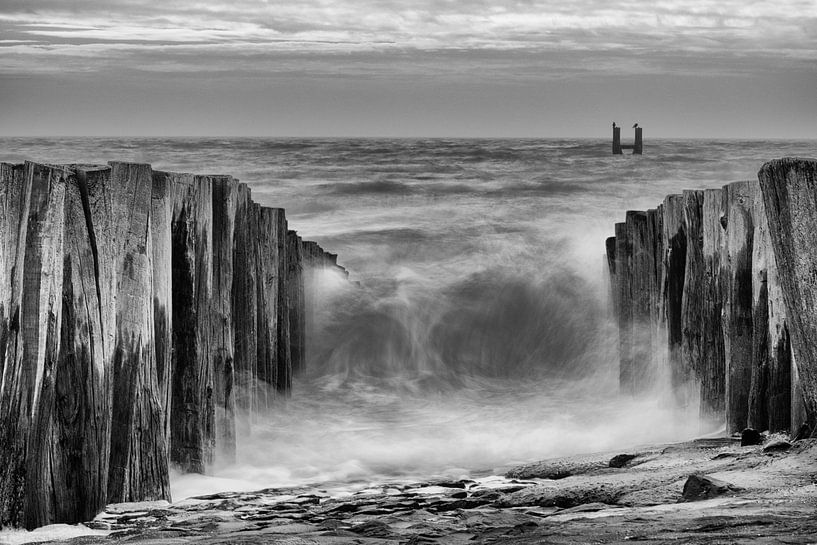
480, 337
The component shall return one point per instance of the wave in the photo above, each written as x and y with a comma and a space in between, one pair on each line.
491, 324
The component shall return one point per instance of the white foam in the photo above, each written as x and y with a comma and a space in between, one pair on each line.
52, 532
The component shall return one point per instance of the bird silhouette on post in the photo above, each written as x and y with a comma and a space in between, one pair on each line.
635, 126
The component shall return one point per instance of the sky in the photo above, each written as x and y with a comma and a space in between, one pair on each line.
408, 68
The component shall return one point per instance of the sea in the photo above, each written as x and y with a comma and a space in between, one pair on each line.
479, 336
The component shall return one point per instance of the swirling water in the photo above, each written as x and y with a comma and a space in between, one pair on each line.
481, 335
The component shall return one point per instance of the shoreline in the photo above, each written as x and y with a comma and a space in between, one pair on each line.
761, 495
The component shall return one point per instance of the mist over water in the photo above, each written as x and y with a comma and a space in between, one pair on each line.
480, 337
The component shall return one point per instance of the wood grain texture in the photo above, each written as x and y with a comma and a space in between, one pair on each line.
273, 316
673, 240
625, 303
295, 306
14, 198
736, 274
770, 392
713, 364
730, 281
137, 309
138, 464
642, 273
33, 348
789, 188
220, 316
81, 412
658, 329
610, 257
692, 304
192, 402
245, 310
161, 221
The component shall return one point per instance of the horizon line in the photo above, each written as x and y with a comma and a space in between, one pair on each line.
393, 137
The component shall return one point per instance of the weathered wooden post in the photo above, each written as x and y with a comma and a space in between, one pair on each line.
32, 300
736, 278
692, 304
192, 401
610, 246
295, 304
272, 346
637, 146
674, 244
245, 308
221, 321
642, 270
138, 463
624, 303
125, 296
713, 364
789, 189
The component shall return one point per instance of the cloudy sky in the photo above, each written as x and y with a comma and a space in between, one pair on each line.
725, 68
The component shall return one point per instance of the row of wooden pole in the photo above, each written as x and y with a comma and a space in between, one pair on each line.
715, 291
145, 316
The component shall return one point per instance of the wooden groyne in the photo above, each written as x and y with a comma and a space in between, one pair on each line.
146, 318
638, 141
716, 290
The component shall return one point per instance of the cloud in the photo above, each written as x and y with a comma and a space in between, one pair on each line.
523, 38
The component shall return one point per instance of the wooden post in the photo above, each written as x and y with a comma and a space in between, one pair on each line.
124, 294
713, 365
637, 144
161, 219
642, 271
789, 189
221, 320
295, 303
625, 305
770, 394
192, 401
27, 390
138, 465
616, 140
610, 246
736, 275
658, 327
673, 240
245, 309
692, 304
272, 314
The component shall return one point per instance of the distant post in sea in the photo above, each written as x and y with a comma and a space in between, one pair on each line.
637, 146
